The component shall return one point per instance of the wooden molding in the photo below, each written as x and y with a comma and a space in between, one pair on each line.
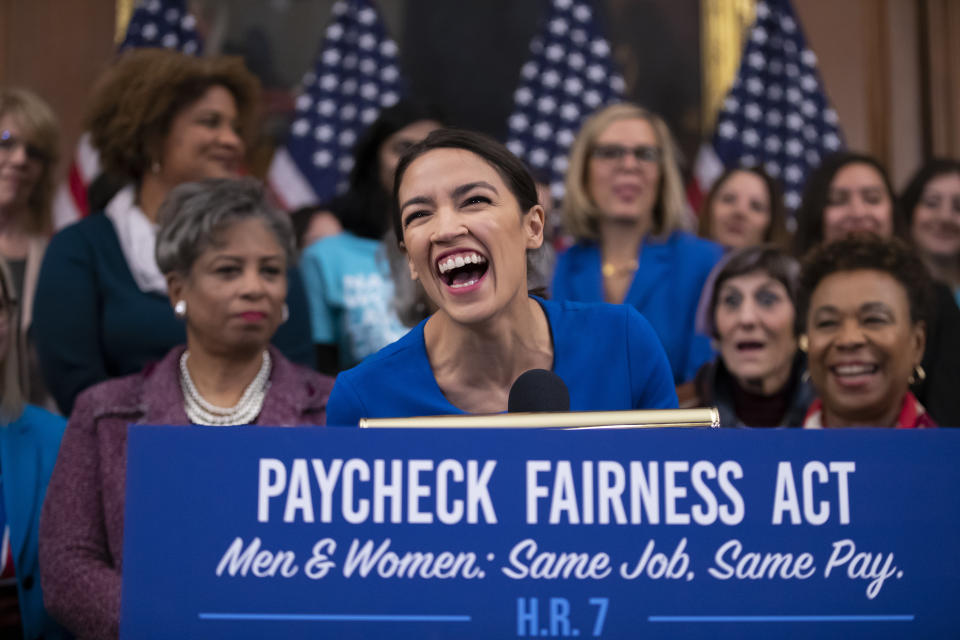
943, 87
723, 29
877, 78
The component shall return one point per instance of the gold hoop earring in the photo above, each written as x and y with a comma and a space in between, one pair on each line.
917, 375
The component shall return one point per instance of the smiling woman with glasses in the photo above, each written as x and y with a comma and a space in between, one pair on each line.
625, 206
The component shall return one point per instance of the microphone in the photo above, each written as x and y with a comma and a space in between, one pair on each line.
538, 390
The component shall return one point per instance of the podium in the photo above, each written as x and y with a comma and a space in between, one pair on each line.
253, 532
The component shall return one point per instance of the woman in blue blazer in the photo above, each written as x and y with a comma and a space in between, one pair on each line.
29, 441
625, 205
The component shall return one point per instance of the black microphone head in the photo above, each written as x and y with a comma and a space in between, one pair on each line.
538, 390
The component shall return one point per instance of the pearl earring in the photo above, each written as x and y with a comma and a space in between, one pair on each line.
180, 309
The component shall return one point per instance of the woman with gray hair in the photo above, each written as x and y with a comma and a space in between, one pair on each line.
757, 379
224, 252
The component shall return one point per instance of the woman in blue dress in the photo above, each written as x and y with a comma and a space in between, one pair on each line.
467, 215
625, 205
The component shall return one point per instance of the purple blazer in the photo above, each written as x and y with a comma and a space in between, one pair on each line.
81, 527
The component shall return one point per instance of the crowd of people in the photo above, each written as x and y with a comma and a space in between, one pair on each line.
191, 299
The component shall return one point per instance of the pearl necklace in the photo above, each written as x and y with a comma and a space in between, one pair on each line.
200, 411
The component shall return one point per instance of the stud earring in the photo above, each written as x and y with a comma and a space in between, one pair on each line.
284, 313
803, 342
180, 309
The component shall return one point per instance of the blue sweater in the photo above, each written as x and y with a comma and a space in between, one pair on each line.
607, 355
665, 289
92, 322
28, 450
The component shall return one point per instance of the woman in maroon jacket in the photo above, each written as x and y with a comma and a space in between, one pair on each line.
224, 252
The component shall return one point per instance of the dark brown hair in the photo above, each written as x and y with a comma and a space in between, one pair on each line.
816, 194
766, 258
510, 167
867, 251
136, 100
776, 231
933, 168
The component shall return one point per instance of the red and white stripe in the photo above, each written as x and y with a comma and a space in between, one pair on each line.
290, 187
70, 203
706, 169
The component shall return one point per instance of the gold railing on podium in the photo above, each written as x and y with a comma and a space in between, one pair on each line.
639, 419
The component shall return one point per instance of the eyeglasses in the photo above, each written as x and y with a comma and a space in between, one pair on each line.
617, 152
9, 143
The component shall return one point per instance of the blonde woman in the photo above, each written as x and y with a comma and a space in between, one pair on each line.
29, 144
625, 206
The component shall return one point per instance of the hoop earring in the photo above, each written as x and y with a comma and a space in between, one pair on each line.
180, 309
917, 375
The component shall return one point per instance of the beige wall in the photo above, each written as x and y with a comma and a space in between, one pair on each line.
56, 48
870, 54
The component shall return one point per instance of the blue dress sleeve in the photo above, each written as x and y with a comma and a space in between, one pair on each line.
651, 378
344, 407
293, 336
66, 318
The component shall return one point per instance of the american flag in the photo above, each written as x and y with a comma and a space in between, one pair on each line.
356, 74
777, 114
154, 23
569, 75
162, 23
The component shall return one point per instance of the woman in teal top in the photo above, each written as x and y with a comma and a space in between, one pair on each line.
467, 216
347, 275
29, 441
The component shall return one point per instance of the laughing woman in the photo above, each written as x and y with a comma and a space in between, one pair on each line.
467, 215
864, 300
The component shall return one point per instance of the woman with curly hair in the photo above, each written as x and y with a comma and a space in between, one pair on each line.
851, 193
159, 118
864, 304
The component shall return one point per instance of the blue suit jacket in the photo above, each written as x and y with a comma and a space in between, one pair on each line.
28, 450
665, 289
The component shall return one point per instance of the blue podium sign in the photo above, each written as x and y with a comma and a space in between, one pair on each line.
346, 533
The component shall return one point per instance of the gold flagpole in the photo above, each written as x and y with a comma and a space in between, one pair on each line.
124, 11
637, 419
723, 29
